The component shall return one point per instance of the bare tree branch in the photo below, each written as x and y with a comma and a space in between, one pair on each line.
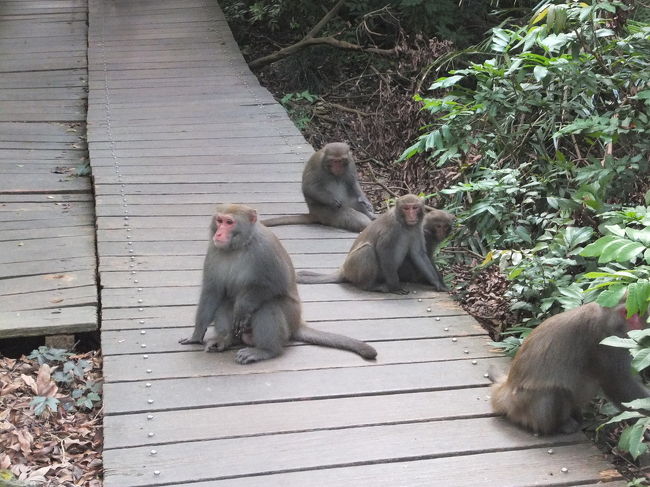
310, 40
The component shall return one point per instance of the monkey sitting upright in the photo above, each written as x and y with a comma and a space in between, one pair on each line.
249, 292
332, 192
379, 251
562, 365
436, 226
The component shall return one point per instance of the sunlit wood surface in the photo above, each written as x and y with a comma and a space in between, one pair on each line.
177, 123
47, 226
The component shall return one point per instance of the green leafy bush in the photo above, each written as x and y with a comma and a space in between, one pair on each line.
548, 129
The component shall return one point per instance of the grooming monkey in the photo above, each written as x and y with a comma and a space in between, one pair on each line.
562, 365
249, 292
436, 226
379, 251
332, 192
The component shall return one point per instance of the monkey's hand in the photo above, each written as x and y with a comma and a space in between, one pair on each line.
337, 203
241, 323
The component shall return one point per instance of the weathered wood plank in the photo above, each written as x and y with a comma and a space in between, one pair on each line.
224, 390
295, 246
55, 298
514, 468
321, 262
196, 363
188, 295
48, 322
300, 451
60, 247
124, 337
46, 282
129, 430
51, 266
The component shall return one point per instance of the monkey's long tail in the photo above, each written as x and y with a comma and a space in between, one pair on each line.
333, 340
309, 277
303, 219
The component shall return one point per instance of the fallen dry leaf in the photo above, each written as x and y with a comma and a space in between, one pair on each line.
45, 386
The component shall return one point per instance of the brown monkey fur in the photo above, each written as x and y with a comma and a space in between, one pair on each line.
437, 226
332, 192
379, 250
562, 365
249, 292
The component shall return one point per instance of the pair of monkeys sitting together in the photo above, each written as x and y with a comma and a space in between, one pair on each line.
249, 295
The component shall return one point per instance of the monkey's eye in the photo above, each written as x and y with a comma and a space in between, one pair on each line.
219, 220
229, 221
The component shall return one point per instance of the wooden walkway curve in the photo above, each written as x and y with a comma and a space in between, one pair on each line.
176, 124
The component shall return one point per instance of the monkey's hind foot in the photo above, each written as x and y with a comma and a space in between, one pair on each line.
250, 355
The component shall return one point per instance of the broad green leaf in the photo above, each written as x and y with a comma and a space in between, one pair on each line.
643, 403
642, 235
611, 296
641, 360
595, 249
625, 415
540, 72
554, 42
618, 342
632, 440
445, 82
638, 295
574, 236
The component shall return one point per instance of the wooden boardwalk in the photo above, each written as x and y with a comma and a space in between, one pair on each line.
47, 234
177, 124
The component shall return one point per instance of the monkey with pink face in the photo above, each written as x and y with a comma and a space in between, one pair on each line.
249, 293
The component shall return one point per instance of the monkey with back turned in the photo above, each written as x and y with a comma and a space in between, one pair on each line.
376, 255
562, 365
332, 192
249, 292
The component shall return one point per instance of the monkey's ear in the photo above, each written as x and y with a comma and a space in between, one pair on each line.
252, 216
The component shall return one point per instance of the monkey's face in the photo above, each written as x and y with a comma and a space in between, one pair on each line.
412, 213
224, 230
234, 228
337, 164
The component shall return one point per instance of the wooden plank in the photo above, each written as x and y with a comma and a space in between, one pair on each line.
46, 282
129, 430
125, 337
322, 262
284, 232
57, 298
515, 468
59, 247
49, 266
294, 385
311, 246
314, 311
196, 363
206, 210
211, 188
48, 322
308, 450
180, 296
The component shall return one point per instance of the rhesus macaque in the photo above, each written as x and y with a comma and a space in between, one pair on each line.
332, 192
436, 226
380, 249
249, 291
562, 365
